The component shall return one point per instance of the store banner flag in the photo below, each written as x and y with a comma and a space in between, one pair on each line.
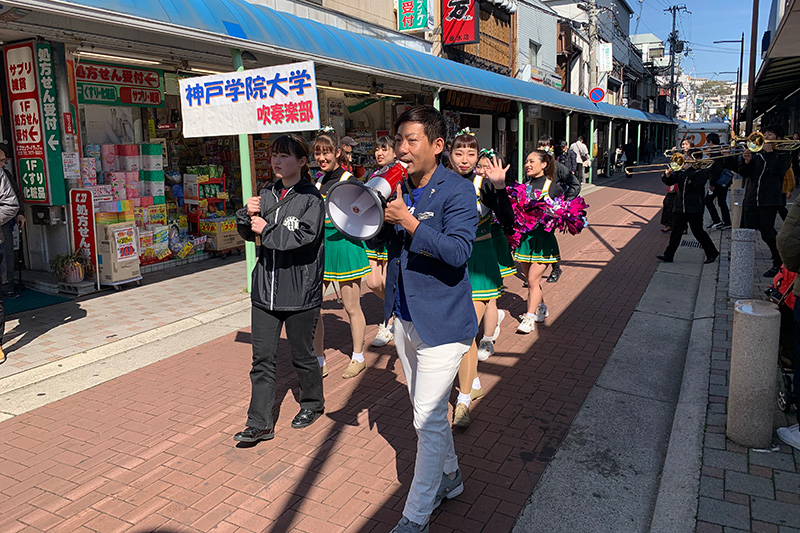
29, 77
460, 22
605, 57
81, 203
50, 120
414, 15
118, 85
265, 100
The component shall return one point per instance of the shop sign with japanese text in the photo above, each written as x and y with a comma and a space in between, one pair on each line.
460, 22
100, 83
29, 76
51, 131
414, 15
81, 206
282, 98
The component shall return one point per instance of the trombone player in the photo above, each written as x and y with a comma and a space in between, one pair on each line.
689, 207
763, 173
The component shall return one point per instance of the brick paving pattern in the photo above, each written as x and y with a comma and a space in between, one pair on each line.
152, 450
51, 333
743, 489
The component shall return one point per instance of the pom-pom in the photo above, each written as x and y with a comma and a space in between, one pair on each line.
532, 208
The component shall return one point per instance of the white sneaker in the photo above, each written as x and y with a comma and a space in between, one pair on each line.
500, 316
383, 337
790, 435
485, 349
542, 312
526, 324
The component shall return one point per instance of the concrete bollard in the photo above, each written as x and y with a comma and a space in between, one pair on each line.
737, 199
742, 264
752, 387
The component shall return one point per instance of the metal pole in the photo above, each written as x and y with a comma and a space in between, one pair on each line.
247, 179
436, 101
672, 40
591, 150
520, 141
608, 153
639, 144
592, 44
569, 116
739, 76
751, 83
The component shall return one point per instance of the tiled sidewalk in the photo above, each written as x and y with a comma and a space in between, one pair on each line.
152, 450
51, 333
743, 489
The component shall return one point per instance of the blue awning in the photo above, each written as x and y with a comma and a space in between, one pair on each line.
237, 23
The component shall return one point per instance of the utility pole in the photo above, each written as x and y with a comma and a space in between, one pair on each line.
592, 45
673, 45
751, 83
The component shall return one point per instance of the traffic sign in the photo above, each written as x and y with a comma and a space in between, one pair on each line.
597, 94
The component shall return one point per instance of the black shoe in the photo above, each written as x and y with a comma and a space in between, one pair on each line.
664, 258
11, 295
712, 258
772, 272
725, 226
252, 434
305, 418
554, 275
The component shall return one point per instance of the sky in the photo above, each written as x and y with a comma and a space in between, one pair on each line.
709, 21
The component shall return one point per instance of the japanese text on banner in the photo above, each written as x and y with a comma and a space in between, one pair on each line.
265, 100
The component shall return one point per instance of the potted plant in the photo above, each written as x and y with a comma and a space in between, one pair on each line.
71, 267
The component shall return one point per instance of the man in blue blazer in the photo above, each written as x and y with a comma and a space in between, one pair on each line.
429, 231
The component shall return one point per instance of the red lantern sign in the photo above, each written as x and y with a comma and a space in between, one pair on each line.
460, 22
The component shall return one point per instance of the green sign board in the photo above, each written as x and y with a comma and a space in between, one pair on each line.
51, 129
117, 85
413, 15
34, 182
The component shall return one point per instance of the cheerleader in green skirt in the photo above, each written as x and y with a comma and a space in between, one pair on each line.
493, 317
345, 260
484, 270
538, 248
376, 280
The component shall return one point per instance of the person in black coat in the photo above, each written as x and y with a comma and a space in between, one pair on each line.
286, 222
719, 183
688, 210
763, 174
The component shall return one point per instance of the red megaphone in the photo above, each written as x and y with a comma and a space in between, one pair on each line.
356, 209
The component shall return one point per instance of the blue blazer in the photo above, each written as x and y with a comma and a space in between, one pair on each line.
434, 261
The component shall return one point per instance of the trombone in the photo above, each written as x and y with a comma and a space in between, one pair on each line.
676, 163
755, 142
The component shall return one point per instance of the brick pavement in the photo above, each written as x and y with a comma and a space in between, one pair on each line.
52, 333
743, 489
152, 450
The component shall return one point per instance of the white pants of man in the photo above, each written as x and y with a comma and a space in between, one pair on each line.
430, 371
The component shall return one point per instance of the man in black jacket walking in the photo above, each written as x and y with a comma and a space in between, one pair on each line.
286, 222
688, 210
763, 174
719, 182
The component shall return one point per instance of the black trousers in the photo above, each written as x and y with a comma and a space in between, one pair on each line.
300, 326
721, 195
763, 219
694, 221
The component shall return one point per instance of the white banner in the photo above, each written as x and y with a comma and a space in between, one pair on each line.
605, 57
265, 100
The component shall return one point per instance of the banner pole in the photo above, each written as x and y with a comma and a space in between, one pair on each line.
247, 179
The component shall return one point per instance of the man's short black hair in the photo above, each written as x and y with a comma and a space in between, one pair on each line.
580, 138
432, 121
545, 140
774, 128
713, 137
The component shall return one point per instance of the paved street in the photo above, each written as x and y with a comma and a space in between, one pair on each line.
152, 448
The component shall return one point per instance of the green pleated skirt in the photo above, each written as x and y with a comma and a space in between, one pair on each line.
345, 260
504, 258
538, 246
484, 272
378, 254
